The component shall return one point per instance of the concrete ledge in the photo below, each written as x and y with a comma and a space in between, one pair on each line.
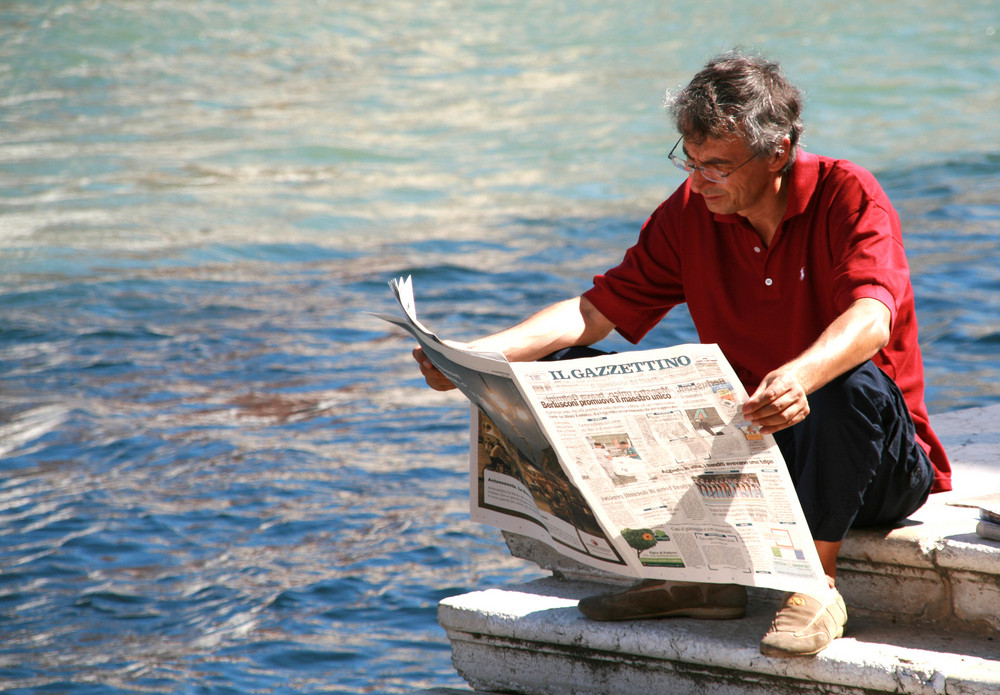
936, 569
531, 639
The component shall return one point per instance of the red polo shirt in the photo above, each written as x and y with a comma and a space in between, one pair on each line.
840, 240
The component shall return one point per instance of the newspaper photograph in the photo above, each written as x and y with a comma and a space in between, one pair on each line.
639, 463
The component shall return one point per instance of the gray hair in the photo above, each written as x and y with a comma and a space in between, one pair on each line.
744, 95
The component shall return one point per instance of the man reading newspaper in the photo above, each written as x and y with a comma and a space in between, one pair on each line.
794, 264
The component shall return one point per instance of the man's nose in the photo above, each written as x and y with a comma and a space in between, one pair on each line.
698, 181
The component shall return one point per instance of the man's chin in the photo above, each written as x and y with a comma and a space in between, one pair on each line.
717, 204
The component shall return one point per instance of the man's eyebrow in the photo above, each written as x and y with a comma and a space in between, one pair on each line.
707, 162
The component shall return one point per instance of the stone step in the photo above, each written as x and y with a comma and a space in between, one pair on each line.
531, 639
924, 605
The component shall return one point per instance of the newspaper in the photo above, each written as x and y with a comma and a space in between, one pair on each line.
638, 463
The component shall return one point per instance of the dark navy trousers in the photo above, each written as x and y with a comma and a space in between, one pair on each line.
855, 460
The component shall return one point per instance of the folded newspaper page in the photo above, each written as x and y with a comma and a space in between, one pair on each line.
638, 463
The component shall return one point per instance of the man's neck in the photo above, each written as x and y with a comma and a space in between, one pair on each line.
766, 218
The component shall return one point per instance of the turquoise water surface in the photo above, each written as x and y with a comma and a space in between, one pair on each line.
220, 474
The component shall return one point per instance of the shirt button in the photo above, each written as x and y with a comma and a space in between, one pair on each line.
756, 249
769, 282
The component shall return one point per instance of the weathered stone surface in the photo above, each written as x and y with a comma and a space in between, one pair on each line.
531, 639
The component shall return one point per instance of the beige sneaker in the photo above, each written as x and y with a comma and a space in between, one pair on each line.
805, 625
653, 598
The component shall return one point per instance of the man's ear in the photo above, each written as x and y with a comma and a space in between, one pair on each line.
780, 157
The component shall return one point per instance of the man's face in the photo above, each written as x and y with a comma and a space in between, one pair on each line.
744, 189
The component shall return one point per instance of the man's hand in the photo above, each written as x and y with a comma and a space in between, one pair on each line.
434, 378
779, 402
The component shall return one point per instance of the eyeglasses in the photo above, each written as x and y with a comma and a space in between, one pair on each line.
713, 175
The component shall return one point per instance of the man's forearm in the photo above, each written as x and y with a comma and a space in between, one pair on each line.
564, 324
854, 337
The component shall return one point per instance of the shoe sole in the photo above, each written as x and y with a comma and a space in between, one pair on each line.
767, 650
782, 654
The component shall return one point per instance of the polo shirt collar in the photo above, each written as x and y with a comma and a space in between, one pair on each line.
802, 182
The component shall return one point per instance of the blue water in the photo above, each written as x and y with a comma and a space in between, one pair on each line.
220, 475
